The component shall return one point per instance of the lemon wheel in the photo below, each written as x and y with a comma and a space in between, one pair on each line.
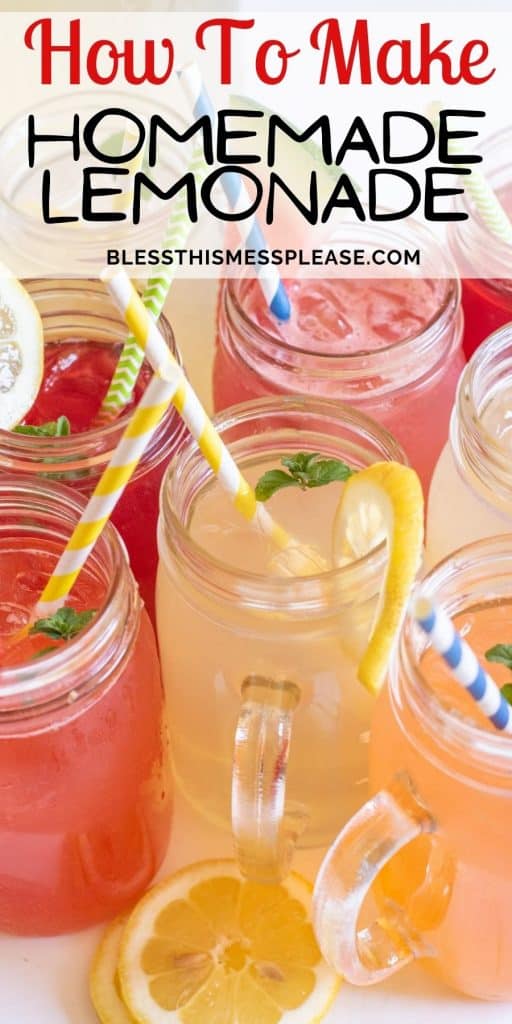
207, 947
21, 351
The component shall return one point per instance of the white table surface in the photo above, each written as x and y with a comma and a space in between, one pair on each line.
44, 981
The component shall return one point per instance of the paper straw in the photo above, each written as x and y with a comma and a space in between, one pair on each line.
236, 192
143, 423
483, 195
154, 296
463, 663
301, 558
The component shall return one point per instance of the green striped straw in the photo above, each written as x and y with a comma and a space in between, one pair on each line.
127, 370
483, 195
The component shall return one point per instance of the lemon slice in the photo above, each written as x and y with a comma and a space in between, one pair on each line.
21, 351
206, 947
104, 985
382, 502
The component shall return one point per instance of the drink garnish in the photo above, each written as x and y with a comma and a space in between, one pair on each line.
64, 624
43, 651
305, 470
60, 427
502, 654
205, 945
21, 351
383, 502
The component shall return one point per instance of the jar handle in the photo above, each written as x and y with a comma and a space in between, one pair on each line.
264, 830
368, 954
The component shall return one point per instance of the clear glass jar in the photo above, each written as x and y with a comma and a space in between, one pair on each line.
485, 262
471, 492
85, 801
82, 310
407, 386
247, 655
432, 846
32, 248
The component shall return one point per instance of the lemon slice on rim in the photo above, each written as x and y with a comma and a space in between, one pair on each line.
207, 947
104, 987
21, 351
382, 502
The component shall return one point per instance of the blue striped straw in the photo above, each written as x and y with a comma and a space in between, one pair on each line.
236, 193
463, 663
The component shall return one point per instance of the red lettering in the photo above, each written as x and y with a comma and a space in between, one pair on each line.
427, 56
466, 63
282, 55
405, 74
333, 44
48, 47
92, 61
149, 73
226, 25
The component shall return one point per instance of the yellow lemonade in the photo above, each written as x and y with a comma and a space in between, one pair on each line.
248, 652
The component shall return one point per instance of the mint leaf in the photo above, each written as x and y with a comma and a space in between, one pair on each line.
500, 653
63, 624
325, 471
39, 654
56, 428
305, 470
507, 692
271, 482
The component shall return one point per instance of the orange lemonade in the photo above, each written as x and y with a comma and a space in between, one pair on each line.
422, 871
465, 913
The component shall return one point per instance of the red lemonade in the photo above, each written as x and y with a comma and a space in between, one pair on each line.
487, 303
77, 374
84, 788
83, 340
389, 347
484, 261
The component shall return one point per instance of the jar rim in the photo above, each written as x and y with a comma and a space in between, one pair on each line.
421, 341
69, 452
84, 662
479, 455
300, 594
87, 96
449, 584
472, 235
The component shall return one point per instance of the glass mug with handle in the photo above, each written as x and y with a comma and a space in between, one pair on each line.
422, 871
270, 724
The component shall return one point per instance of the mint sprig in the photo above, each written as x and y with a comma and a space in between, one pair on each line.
502, 655
63, 624
305, 470
44, 650
56, 428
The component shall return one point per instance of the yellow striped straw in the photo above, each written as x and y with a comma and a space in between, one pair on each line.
143, 423
301, 559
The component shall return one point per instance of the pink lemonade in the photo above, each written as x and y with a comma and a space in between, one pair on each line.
83, 341
389, 347
453, 885
84, 788
487, 303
